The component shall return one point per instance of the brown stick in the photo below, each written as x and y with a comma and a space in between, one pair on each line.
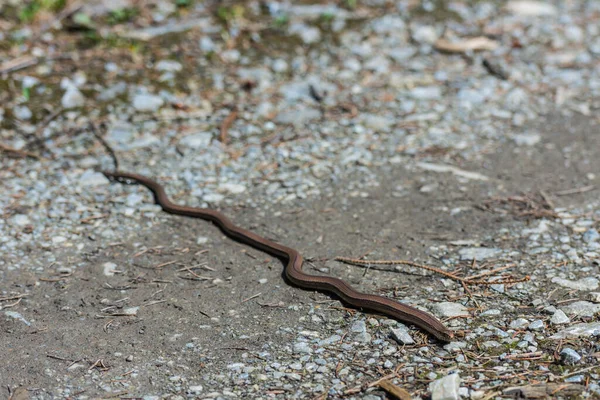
226, 125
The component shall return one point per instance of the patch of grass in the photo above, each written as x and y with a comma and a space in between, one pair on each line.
326, 18
228, 15
30, 9
26, 93
350, 4
281, 21
122, 15
183, 3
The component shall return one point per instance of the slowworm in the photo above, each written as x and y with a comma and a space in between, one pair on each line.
293, 268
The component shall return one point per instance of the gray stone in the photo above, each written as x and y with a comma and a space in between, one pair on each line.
582, 308
445, 388
197, 140
22, 112
21, 220
377, 122
17, 316
448, 310
589, 283
113, 91
72, 98
519, 323
569, 356
308, 34
234, 188
92, 178
559, 318
401, 335
478, 253
531, 8
213, 197
426, 93
585, 330
298, 117
359, 327
527, 139
536, 325
147, 102
302, 347
594, 297
591, 235
425, 34
168, 66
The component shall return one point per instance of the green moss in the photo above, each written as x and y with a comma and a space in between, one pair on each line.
29, 10
281, 21
228, 14
122, 15
183, 3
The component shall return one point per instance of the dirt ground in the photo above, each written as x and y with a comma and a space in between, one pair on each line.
71, 346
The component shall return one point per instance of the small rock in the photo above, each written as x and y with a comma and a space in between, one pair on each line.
559, 318
168, 66
377, 122
518, 323
527, 139
234, 188
280, 65
17, 316
445, 388
401, 335
22, 112
363, 337
536, 325
131, 311
58, 239
91, 178
308, 34
72, 98
21, 220
113, 91
197, 140
359, 327
231, 56
449, 310
147, 102
425, 34
134, 199
515, 99
594, 297
589, 283
109, 268
585, 330
478, 253
490, 312
302, 347
298, 117
582, 308
196, 389
530, 8
213, 197
569, 356
426, 93
591, 235
207, 45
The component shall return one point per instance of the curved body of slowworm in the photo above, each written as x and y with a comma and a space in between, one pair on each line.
293, 269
